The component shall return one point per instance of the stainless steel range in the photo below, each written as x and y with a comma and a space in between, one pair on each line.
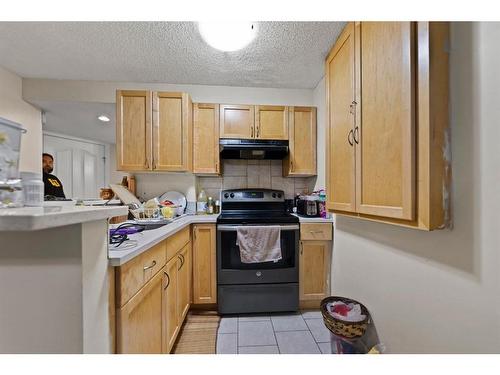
270, 286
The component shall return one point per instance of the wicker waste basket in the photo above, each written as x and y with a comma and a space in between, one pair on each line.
351, 337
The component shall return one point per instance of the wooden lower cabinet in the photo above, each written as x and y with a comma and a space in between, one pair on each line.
139, 321
204, 264
184, 282
314, 271
151, 320
170, 321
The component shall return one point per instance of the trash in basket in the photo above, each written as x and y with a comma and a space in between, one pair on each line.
352, 330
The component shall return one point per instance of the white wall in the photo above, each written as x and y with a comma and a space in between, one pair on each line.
14, 108
105, 92
319, 102
439, 292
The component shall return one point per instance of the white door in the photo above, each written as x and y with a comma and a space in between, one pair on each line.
79, 164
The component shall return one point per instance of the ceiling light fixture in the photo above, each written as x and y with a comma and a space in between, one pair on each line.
103, 118
228, 36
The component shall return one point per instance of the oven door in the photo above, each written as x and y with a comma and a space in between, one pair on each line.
230, 269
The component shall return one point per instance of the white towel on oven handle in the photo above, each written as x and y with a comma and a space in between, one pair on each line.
259, 244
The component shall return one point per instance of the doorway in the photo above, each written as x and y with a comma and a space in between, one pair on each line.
78, 163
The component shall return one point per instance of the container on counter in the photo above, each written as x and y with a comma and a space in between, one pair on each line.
201, 203
217, 207
33, 189
210, 206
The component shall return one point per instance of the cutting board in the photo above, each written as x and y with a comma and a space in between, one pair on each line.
124, 194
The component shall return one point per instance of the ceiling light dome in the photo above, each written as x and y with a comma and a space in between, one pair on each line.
228, 36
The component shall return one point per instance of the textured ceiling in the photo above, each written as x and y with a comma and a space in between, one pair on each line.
283, 55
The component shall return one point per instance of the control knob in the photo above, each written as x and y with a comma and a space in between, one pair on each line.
232, 195
226, 195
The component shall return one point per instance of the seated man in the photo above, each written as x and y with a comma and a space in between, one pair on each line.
53, 185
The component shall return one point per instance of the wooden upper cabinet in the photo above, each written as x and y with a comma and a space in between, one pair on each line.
204, 264
139, 321
271, 122
385, 131
133, 130
237, 121
301, 160
172, 132
388, 133
206, 138
340, 150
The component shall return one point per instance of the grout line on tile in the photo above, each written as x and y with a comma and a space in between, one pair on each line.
275, 338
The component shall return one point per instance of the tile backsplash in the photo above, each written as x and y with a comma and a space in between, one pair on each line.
241, 174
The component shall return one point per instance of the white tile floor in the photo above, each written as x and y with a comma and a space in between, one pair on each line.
294, 333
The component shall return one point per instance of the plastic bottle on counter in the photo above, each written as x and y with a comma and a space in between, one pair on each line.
201, 203
210, 206
322, 204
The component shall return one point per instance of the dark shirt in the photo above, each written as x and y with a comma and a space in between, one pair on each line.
53, 186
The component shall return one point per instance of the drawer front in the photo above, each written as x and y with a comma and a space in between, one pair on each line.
176, 242
133, 275
316, 231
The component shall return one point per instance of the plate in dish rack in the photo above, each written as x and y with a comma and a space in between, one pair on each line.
177, 199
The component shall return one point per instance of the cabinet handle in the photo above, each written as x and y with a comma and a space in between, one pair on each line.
150, 266
349, 137
315, 231
217, 166
252, 133
356, 135
291, 165
352, 107
301, 248
168, 280
146, 164
258, 132
181, 258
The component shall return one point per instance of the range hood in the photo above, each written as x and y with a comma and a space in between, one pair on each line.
252, 149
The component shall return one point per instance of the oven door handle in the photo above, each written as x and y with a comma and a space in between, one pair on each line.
232, 228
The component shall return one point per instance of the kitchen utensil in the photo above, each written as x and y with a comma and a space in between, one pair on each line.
124, 195
177, 198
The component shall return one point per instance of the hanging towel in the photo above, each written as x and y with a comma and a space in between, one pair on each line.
259, 244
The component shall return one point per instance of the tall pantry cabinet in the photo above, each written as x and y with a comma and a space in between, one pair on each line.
387, 133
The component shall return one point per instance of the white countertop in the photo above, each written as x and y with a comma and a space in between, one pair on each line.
314, 219
35, 218
149, 238
145, 240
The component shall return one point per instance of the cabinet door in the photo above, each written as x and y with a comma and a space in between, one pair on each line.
172, 132
340, 153
385, 134
237, 121
271, 122
133, 130
170, 323
206, 138
139, 321
204, 264
184, 279
314, 270
301, 160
